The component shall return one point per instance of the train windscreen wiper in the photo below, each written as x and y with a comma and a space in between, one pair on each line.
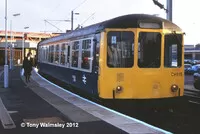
177, 37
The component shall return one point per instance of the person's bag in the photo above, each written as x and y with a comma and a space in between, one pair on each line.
22, 72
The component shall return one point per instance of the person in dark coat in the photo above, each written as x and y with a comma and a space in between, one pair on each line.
27, 65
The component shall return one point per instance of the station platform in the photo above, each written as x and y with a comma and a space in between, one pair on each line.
43, 107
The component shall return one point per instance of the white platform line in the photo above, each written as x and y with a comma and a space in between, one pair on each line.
6, 120
127, 117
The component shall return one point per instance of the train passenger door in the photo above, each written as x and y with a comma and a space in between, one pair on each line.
117, 64
96, 50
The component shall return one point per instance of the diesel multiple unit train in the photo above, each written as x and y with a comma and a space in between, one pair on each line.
134, 57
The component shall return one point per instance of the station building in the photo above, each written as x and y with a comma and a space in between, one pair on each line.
15, 44
192, 52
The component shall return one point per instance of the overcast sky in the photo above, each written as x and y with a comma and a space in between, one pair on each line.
34, 12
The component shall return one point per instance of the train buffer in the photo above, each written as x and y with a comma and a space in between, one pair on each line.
42, 107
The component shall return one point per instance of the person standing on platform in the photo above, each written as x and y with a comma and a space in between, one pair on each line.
27, 65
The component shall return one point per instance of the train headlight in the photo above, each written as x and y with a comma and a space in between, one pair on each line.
119, 89
174, 88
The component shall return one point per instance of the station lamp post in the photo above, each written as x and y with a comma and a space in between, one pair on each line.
72, 19
23, 42
6, 45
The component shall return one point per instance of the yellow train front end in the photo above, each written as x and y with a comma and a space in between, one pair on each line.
141, 64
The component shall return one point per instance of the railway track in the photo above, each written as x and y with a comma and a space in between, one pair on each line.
193, 96
182, 120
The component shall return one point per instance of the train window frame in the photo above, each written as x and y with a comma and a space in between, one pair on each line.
153, 61
66, 64
80, 55
63, 53
56, 54
169, 63
116, 46
68, 55
43, 53
69, 45
85, 47
46, 58
39, 52
77, 57
51, 54
46, 53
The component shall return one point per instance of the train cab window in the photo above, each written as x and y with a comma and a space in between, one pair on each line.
173, 50
149, 50
63, 54
57, 49
75, 54
51, 53
86, 54
120, 50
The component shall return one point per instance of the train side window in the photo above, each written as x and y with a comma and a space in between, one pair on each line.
49, 47
39, 52
120, 51
51, 53
54, 53
63, 54
86, 54
48, 55
45, 54
149, 50
68, 54
57, 48
75, 54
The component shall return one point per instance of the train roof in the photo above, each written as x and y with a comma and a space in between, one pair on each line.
127, 21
